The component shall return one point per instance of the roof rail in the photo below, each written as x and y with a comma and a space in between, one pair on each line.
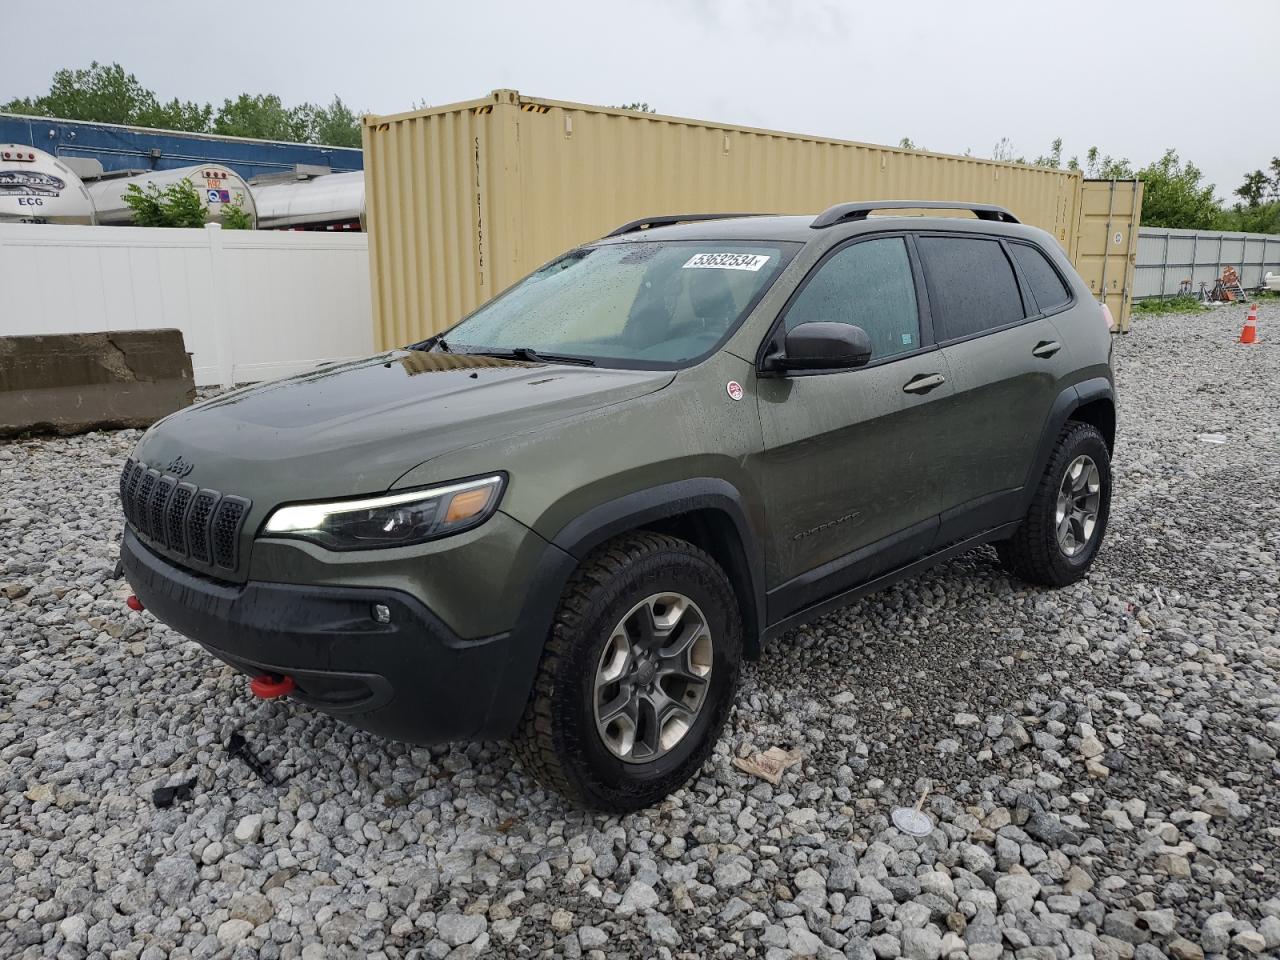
666, 220
848, 212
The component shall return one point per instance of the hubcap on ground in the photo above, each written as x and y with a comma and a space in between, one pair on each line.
652, 678
1077, 510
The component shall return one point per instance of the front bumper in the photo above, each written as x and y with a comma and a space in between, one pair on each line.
409, 679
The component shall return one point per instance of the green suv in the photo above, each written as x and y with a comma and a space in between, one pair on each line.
568, 518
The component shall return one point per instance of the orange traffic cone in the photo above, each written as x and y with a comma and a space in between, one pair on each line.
1250, 332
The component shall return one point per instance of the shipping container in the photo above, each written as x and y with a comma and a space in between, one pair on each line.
1105, 241
217, 186
465, 199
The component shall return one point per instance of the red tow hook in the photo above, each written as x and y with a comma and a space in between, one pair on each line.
133, 603
268, 686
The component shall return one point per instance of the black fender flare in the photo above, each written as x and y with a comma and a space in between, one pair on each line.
575, 541
1067, 402
649, 506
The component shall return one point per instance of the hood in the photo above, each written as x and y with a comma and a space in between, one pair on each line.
357, 427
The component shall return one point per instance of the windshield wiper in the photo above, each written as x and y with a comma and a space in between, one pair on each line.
530, 355
430, 344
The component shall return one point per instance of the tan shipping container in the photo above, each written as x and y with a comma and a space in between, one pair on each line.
1105, 247
465, 199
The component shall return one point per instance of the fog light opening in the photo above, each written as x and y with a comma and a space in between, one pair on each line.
381, 613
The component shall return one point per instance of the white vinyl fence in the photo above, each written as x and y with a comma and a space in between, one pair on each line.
1168, 257
251, 304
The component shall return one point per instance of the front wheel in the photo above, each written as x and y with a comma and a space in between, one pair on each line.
1064, 526
637, 676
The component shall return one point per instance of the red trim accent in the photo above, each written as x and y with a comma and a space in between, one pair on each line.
269, 687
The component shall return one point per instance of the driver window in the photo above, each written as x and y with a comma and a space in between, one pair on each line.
869, 285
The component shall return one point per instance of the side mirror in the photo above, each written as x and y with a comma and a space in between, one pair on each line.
823, 345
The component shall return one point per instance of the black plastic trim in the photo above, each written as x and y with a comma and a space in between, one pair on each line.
838, 575
1068, 401
885, 580
409, 679
582, 534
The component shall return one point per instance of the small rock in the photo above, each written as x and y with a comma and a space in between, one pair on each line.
249, 829
592, 938
74, 929
231, 932
456, 929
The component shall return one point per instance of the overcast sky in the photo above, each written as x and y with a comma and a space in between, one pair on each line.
1131, 77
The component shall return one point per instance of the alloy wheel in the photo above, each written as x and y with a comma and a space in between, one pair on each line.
1079, 496
653, 677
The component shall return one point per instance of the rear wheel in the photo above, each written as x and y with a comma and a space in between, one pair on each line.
1067, 519
637, 676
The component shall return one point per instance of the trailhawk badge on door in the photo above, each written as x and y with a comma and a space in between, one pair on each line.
735, 390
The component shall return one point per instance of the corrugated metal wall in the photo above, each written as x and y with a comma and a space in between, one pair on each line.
1166, 258
464, 200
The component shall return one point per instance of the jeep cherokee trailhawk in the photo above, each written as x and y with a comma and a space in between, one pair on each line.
569, 517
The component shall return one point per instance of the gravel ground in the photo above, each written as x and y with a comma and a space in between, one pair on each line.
1101, 759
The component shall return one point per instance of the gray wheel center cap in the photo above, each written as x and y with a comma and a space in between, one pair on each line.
646, 672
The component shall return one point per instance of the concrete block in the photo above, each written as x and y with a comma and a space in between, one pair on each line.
76, 382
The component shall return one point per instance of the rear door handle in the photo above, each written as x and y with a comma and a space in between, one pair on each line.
1046, 348
924, 383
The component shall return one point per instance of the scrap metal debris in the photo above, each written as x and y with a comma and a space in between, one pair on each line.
238, 747
164, 797
769, 765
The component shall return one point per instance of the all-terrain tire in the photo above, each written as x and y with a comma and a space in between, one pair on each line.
1034, 553
558, 742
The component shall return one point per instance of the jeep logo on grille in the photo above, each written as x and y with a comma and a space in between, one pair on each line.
179, 467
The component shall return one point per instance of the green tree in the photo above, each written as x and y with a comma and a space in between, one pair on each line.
1053, 158
177, 205
262, 116
234, 217
1260, 187
106, 94
1255, 187
1174, 195
335, 125
637, 106
1004, 152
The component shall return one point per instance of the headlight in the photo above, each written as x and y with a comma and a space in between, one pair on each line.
390, 520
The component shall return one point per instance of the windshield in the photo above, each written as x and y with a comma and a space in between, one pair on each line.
642, 303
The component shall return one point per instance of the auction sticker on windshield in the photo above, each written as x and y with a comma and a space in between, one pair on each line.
726, 261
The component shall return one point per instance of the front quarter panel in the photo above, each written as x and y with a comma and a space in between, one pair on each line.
693, 428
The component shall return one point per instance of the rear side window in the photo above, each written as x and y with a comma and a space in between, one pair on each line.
1046, 285
867, 284
972, 287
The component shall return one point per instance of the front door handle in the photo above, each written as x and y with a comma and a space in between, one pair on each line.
924, 383
1046, 348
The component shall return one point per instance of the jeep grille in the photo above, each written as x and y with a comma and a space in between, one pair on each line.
201, 525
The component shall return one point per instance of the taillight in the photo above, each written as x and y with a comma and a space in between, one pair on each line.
1106, 315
